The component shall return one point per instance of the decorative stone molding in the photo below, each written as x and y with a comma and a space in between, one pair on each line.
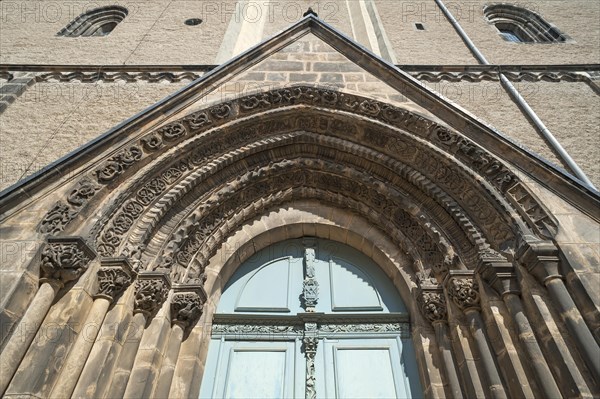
494, 76
151, 290
366, 328
62, 213
463, 290
187, 304
114, 276
498, 272
64, 259
109, 77
240, 330
533, 211
541, 258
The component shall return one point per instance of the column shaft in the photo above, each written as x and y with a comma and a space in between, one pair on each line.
81, 350
441, 334
127, 357
17, 346
589, 349
170, 361
476, 326
527, 338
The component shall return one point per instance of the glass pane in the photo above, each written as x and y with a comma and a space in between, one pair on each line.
510, 36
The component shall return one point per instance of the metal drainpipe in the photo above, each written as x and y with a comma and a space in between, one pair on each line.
514, 93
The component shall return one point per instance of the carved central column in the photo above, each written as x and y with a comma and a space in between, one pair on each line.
309, 345
432, 303
63, 260
114, 276
463, 290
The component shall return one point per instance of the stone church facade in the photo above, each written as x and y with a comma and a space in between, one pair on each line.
151, 152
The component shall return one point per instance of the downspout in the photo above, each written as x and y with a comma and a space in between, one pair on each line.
523, 105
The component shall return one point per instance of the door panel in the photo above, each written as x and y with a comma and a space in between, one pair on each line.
363, 368
251, 370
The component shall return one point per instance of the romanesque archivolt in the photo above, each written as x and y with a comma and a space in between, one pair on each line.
209, 143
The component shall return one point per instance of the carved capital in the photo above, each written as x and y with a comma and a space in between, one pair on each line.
187, 304
463, 290
498, 272
541, 259
151, 290
114, 276
64, 259
433, 305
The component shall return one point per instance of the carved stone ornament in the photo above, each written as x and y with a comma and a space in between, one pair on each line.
246, 330
114, 276
309, 345
433, 305
61, 214
464, 292
368, 328
310, 286
151, 290
187, 304
64, 259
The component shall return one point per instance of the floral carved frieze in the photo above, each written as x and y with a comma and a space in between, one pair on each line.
114, 276
151, 290
64, 259
256, 330
187, 242
463, 290
62, 213
187, 304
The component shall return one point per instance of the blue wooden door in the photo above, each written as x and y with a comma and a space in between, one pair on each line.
310, 319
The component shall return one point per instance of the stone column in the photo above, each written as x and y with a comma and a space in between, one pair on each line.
432, 303
186, 308
502, 277
114, 276
542, 261
63, 259
152, 289
463, 290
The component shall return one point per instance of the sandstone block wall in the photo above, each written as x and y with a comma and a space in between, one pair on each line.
51, 119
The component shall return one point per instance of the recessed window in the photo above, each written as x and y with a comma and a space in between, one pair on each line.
519, 25
97, 22
510, 36
419, 26
193, 21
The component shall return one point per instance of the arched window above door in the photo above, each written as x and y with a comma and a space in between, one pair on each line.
310, 318
517, 24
